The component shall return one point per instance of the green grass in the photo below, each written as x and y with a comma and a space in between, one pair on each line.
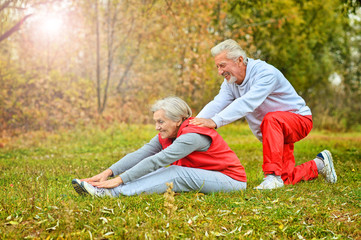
38, 201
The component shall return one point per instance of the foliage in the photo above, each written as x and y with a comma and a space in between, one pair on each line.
38, 201
294, 36
30, 102
309, 42
151, 49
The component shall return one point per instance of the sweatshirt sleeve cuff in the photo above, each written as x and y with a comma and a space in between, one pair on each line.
217, 120
124, 177
114, 171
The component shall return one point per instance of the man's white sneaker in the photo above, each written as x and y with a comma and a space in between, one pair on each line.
271, 182
97, 192
78, 188
329, 170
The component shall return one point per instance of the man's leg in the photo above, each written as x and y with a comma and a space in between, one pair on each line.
280, 130
322, 164
291, 174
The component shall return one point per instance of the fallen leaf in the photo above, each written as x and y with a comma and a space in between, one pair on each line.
53, 228
104, 220
12, 223
248, 232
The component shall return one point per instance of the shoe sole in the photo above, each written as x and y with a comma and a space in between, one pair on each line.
330, 164
263, 188
78, 187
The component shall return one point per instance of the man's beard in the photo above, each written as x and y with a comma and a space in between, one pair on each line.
232, 78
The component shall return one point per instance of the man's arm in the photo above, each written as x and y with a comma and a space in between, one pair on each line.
222, 100
262, 87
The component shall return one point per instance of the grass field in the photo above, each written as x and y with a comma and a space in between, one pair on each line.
38, 201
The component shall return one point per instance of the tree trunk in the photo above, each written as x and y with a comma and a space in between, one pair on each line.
98, 58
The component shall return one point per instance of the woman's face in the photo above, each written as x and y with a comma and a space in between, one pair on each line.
166, 127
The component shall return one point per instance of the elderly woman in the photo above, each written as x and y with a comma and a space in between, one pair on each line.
199, 160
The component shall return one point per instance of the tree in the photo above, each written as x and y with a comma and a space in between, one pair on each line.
6, 5
307, 40
111, 59
9, 7
294, 36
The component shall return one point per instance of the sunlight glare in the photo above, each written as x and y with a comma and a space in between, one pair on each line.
51, 25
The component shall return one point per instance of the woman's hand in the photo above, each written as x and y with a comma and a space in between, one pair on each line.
203, 122
101, 177
112, 183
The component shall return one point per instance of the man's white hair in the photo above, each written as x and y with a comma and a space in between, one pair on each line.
175, 108
234, 51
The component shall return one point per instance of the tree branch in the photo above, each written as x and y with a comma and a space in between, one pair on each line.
5, 5
14, 28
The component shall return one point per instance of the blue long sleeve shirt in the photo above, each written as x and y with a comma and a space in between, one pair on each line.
263, 90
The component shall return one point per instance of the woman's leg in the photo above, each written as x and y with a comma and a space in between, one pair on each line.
184, 180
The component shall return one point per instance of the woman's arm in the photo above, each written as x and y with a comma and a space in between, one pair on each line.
103, 176
111, 183
131, 159
180, 148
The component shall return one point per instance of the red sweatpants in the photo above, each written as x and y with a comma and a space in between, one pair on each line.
280, 130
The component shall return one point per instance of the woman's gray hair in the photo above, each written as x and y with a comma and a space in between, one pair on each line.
175, 108
234, 51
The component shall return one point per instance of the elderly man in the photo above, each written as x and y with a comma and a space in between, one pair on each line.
276, 114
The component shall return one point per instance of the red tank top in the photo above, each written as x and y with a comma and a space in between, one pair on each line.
219, 157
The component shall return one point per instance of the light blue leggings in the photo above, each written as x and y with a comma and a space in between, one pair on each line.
184, 179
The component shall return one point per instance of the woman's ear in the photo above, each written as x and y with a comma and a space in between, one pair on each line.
179, 123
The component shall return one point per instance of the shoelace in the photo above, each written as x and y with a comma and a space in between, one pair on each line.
100, 191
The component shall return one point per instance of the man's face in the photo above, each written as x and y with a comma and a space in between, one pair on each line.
234, 72
166, 127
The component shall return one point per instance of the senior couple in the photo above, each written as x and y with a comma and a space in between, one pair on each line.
191, 154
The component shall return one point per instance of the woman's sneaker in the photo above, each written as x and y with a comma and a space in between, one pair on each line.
328, 171
94, 191
78, 187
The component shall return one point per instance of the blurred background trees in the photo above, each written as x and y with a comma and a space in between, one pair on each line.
68, 62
